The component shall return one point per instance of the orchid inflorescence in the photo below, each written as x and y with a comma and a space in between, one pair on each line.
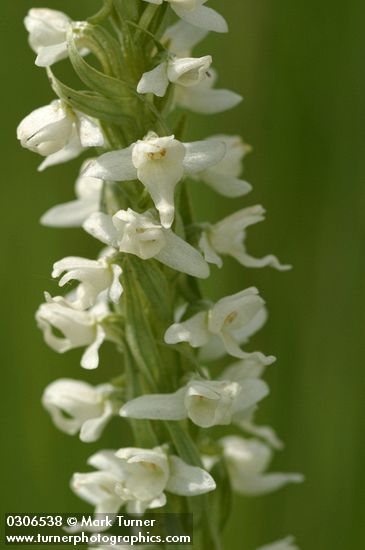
142, 292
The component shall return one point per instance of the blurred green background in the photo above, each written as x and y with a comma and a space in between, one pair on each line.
300, 66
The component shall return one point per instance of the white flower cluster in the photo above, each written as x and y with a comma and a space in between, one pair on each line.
152, 228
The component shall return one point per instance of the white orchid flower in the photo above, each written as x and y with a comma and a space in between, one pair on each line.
58, 133
196, 13
159, 163
98, 488
227, 238
284, 544
181, 38
207, 403
180, 71
138, 478
143, 236
248, 369
47, 35
204, 98
73, 214
224, 177
148, 473
247, 461
95, 276
226, 319
79, 328
76, 406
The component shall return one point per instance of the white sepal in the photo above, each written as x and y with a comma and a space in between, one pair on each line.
205, 99
155, 81
188, 481
181, 38
195, 13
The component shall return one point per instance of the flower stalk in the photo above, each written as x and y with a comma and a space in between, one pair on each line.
142, 293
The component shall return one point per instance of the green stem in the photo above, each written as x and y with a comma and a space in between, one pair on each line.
149, 366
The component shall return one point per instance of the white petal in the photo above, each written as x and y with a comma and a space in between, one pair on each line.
101, 226
116, 289
186, 480
270, 260
92, 429
114, 166
180, 255
253, 367
72, 150
252, 391
226, 185
232, 347
207, 101
159, 163
40, 119
189, 71
106, 460
156, 407
69, 214
48, 55
203, 17
254, 485
182, 38
73, 398
155, 81
90, 358
72, 262
201, 155
90, 132
209, 253
210, 403
46, 26
244, 334
194, 331
235, 311
266, 433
